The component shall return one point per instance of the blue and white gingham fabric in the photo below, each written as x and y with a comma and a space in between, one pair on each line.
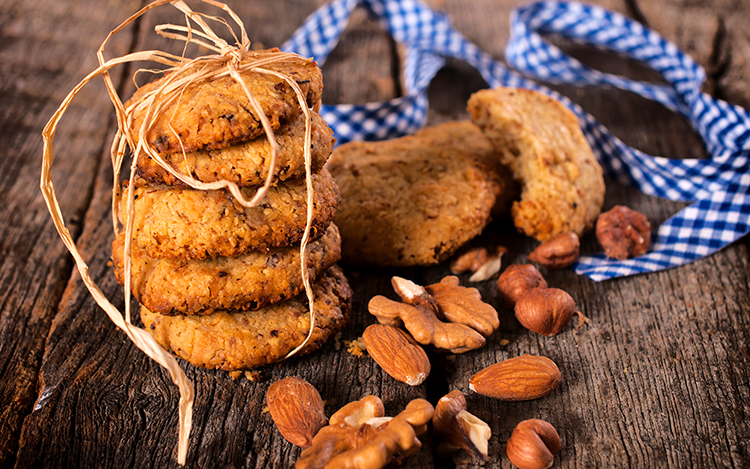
718, 187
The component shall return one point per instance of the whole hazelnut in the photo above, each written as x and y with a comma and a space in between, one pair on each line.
533, 444
559, 252
545, 311
516, 281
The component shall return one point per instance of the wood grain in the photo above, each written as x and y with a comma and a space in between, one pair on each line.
658, 377
40, 61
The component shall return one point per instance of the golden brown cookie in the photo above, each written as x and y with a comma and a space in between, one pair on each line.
242, 340
215, 112
406, 202
469, 138
247, 163
195, 224
250, 281
541, 142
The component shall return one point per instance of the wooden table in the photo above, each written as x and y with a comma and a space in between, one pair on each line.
659, 377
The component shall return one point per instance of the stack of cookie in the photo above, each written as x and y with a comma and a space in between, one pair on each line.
221, 284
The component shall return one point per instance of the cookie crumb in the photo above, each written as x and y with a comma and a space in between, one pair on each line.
356, 347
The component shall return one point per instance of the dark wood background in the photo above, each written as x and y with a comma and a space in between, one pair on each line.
659, 377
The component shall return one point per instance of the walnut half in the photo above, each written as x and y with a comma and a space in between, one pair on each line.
469, 319
359, 436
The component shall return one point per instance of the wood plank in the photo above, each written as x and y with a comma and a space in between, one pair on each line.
658, 377
40, 61
715, 34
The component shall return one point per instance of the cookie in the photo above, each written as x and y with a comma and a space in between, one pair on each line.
540, 140
247, 163
469, 138
234, 340
247, 282
216, 113
407, 202
194, 224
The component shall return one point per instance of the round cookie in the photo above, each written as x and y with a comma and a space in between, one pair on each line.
542, 143
247, 163
215, 112
469, 138
195, 224
247, 282
233, 340
405, 202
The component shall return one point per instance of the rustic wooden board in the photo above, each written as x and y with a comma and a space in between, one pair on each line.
713, 33
657, 378
40, 61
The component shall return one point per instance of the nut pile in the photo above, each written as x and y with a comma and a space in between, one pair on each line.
455, 319
445, 315
357, 435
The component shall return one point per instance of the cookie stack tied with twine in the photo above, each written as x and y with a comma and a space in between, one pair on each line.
226, 185
219, 273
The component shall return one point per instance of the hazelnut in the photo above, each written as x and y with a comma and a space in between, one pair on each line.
558, 252
458, 428
533, 444
623, 233
545, 311
471, 260
516, 281
482, 263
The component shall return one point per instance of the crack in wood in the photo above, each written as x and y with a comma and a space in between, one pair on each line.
635, 11
718, 61
398, 88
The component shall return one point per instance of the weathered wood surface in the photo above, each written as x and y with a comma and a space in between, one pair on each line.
658, 377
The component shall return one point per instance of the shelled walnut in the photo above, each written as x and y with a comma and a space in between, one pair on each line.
359, 436
623, 233
424, 310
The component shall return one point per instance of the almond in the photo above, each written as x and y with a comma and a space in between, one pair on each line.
297, 410
397, 353
517, 379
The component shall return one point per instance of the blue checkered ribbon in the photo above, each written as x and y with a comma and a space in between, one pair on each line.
718, 188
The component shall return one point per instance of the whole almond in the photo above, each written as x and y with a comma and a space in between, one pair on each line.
558, 252
516, 281
297, 410
397, 353
517, 379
